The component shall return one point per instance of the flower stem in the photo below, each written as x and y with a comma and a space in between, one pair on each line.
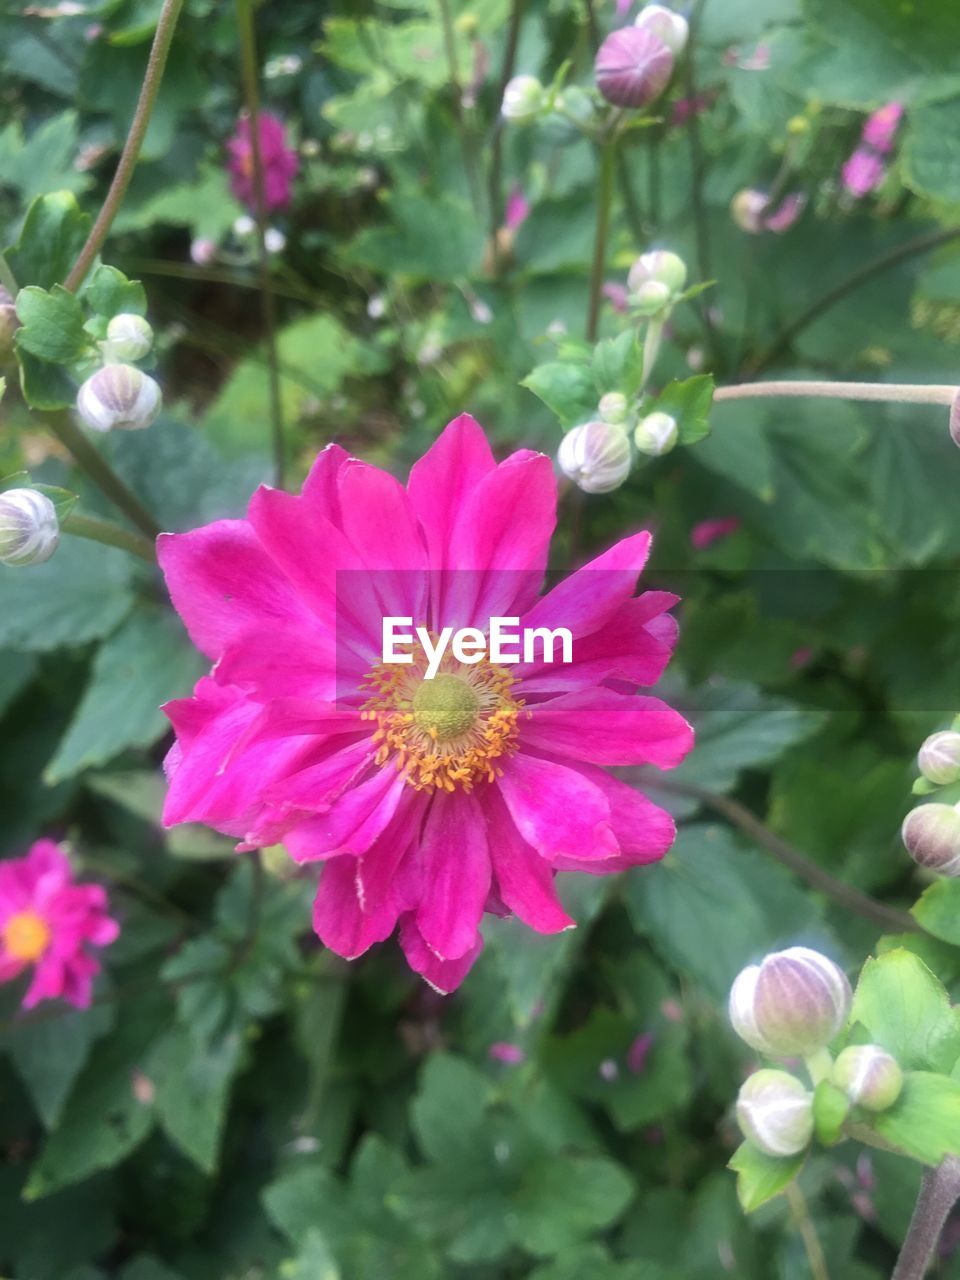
453, 75
91, 461
131, 148
495, 185
251, 97
819, 1065
939, 1192
111, 535
604, 201
808, 1232
886, 392
697, 179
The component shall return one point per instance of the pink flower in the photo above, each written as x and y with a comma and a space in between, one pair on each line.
280, 163
639, 1052
616, 294
428, 802
503, 1051
49, 922
863, 172
707, 532
517, 210
880, 128
753, 212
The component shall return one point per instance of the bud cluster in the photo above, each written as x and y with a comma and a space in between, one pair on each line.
931, 831
29, 529
119, 396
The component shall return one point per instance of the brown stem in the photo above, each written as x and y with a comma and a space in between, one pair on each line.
697, 168
785, 853
604, 201
939, 1192
131, 148
91, 461
885, 392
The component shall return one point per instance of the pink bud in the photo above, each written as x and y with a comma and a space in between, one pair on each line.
707, 532
881, 127
639, 1052
863, 172
503, 1051
793, 1003
632, 67
931, 835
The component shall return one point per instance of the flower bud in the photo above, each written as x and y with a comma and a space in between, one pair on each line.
632, 67
659, 266
775, 1113
650, 299
613, 408
747, 208
793, 1003
29, 531
869, 1076
9, 323
939, 758
596, 457
118, 397
667, 26
129, 337
656, 434
523, 99
931, 834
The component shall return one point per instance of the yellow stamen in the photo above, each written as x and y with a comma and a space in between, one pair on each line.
26, 936
446, 732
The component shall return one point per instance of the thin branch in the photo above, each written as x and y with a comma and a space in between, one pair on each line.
697, 172
885, 392
922, 244
109, 535
453, 75
808, 1233
604, 201
131, 148
939, 1192
812, 873
92, 462
251, 95
495, 185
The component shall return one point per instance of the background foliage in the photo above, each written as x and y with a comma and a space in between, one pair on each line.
263, 1109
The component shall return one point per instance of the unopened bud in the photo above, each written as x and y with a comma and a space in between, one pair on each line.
869, 1076
118, 397
596, 456
939, 758
656, 434
747, 208
775, 1113
9, 323
29, 531
793, 1003
613, 408
931, 834
632, 67
523, 99
659, 266
667, 26
129, 337
650, 298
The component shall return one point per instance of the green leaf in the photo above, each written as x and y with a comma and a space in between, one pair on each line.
566, 388
44, 160
50, 1053
51, 325
449, 1109
924, 1122
831, 1107
109, 293
78, 595
313, 1262
563, 1201
761, 1177
689, 402
434, 239
44, 385
617, 364
193, 1089
931, 153
53, 234
906, 1011
938, 910
145, 662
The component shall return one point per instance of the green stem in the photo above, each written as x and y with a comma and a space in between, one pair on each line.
495, 186
604, 201
251, 96
111, 535
819, 1065
886, 392
808, 1232
92, 462
697, 179
939, 1192
131, 148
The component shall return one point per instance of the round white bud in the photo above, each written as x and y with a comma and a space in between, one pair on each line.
129, 337
793, 1003
656, 434
118, 397
29, 530
596, 456
775, 1113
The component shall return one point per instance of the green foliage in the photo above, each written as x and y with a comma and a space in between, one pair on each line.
761, 1177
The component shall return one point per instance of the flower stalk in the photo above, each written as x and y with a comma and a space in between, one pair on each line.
91, 461
939, 1192
604, 201
885, 392
110, 535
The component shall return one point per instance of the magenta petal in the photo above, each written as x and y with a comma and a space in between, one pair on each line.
273, 662
525, 881
221, 582
456, 874
600, 726
378, 519
352, 823
443, 975
442, 479
557, 810
320, 489
643, 830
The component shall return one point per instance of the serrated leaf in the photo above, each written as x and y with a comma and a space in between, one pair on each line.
193, 1090
78, 595
109, 293
51, 325
906, 1011
938, 910
924, 1122
53, 234
689, 402
566, 388
617, 365
761, 1177
50, 1053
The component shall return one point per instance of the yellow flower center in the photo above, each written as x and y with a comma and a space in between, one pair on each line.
26, 935
445, 732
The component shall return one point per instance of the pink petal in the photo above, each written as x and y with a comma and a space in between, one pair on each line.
456, 874
603, 727
273, 662
442, 479
643, 830
557, 810
524, 880
443, 975
352, 823
320, 489
379, 520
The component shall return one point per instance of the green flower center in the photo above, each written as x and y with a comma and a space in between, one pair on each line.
445, 707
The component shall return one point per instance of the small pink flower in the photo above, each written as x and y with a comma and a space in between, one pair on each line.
616, 294
49, 922
707, 532
639, 1052
504, 1051
863, 172
786, 215
880, 128
280, 163
517, 210
425, 802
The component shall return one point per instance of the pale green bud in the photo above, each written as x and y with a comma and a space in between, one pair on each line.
939, 758
29, 530
129, 337
613, 408
775, 1113
596, 456
118, 397
656, 434
868, 1075
523, 99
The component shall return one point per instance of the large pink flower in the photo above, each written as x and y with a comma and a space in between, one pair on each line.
49, 922
428, 802
280, 163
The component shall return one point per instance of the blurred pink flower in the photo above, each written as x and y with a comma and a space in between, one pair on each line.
707, 532
863, 172
280, 162
517, 210
684, 108
759, 60
504, 1051
616, 294
427, 802
751, 211
880, 128
49, 922
789, 211
639, 1052
801, 658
